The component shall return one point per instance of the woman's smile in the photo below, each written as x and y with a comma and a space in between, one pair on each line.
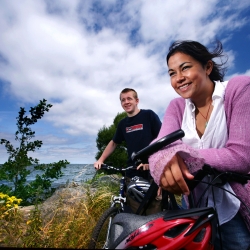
184, 87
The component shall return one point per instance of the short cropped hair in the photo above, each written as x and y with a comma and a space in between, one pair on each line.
126, 90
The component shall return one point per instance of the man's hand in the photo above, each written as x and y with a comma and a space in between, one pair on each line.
174, 175
97, 164
159, 194
143, 166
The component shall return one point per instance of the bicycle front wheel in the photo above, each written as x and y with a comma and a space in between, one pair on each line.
100, 235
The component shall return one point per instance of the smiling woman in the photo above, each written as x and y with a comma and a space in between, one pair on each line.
210, 112
192, 73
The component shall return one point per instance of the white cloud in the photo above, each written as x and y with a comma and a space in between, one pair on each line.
80, 59
247, 73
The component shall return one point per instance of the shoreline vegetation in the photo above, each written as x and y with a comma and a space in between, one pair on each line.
64, 220
36, 215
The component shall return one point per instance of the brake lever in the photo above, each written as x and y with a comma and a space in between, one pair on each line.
200, 174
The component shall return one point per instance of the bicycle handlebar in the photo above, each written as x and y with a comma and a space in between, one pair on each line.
107, 167
154, 147
206, 170
222, 177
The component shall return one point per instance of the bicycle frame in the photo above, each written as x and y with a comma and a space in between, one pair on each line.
120, 199
117, 206
116, 200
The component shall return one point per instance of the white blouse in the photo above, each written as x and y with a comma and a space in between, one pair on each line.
215, 136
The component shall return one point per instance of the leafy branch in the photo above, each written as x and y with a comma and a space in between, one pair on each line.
16, 169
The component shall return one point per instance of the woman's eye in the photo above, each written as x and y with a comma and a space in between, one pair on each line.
171, 74
185, 67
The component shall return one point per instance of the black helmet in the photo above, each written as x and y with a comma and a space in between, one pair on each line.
137, 188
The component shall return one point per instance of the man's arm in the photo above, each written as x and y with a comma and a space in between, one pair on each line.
106, 153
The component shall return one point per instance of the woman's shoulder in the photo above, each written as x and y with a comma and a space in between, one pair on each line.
237, 90
178, 102
238, 83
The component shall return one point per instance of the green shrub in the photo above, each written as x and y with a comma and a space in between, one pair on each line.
17, 168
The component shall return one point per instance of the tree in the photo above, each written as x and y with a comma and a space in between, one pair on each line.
19, 164
119, 157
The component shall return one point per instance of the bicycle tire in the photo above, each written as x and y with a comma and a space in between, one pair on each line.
99, 234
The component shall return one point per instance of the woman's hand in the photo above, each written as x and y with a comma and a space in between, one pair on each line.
174, 175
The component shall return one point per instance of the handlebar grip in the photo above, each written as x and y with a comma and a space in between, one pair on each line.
104, 166
154, 147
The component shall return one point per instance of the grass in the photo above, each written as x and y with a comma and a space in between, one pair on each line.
71, 229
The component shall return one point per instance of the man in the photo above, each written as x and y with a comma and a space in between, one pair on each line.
138, 129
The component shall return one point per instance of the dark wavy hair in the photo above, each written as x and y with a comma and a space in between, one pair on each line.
200, 53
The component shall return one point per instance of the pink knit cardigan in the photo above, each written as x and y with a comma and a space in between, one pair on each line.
235, 156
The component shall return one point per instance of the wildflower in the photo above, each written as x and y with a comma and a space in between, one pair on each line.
28, 222
7, 202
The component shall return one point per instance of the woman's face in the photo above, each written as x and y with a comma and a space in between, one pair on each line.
188, 77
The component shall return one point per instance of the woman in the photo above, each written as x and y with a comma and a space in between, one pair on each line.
215, 118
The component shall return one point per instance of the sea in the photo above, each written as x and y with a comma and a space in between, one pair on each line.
77, 173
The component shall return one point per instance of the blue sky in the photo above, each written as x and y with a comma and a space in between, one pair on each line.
80, 54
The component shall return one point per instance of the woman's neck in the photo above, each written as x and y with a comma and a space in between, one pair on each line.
205, 98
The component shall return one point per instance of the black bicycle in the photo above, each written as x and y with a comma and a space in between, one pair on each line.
137, 187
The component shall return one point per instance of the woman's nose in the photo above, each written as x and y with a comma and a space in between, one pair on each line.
180, 77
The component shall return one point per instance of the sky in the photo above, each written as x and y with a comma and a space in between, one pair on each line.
79, 55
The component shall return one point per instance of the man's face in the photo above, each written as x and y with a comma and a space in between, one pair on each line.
129, 102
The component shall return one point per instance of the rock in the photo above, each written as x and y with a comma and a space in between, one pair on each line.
109, 179
61, 200
65, 197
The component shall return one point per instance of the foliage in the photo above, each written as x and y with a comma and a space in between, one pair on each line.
10, 219
119, 157
7, 203
72, 230
19, 163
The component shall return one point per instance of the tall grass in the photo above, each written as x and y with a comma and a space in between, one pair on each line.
70, 228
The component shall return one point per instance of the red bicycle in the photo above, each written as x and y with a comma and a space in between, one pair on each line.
190, 229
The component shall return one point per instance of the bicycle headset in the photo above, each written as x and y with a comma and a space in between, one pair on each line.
137, 188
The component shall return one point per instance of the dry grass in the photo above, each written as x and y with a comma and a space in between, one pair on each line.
69, 227
65, 230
